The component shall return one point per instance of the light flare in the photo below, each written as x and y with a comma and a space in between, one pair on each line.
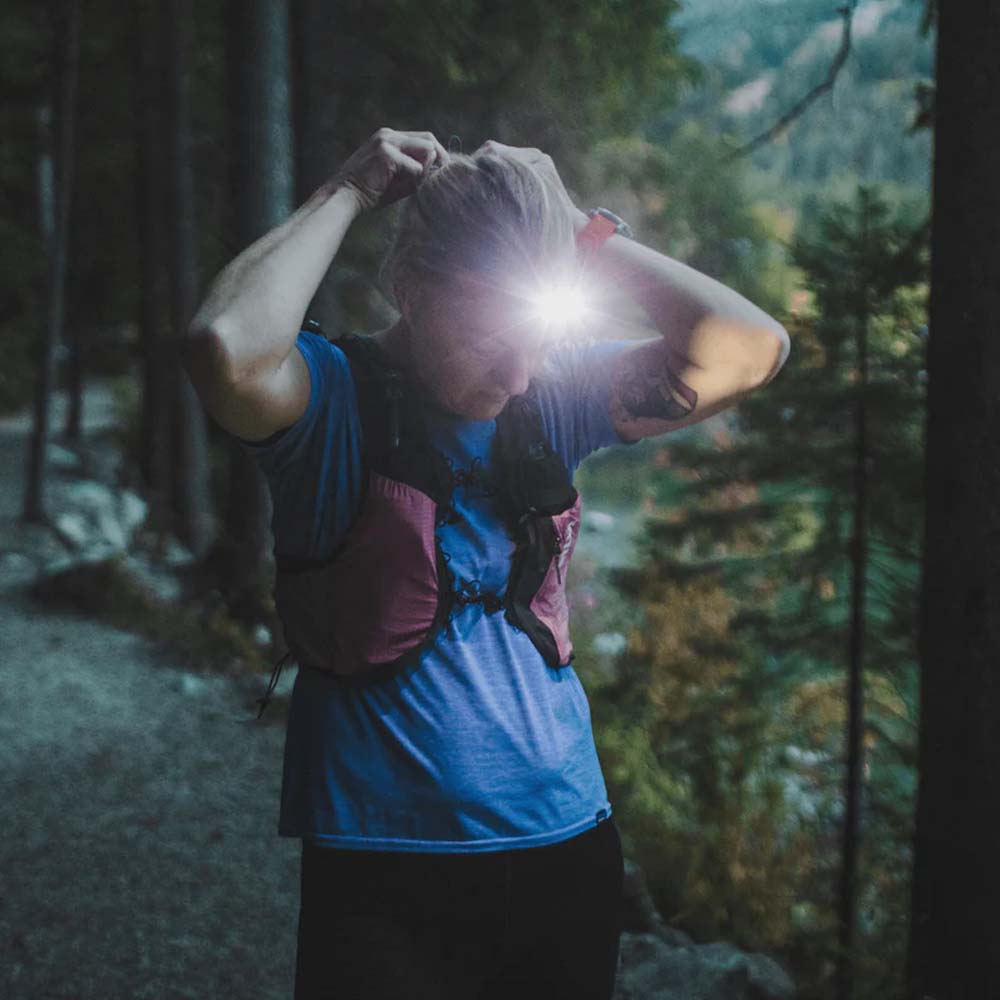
560, 306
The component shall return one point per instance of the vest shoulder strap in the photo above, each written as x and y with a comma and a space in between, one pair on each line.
535, 480
532, 477
395, 442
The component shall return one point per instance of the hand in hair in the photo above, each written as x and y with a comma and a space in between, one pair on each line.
544, 166
389, 166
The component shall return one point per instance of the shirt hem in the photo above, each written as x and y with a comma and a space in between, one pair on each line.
447, 846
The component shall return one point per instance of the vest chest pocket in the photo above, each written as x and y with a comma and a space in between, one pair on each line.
377, 599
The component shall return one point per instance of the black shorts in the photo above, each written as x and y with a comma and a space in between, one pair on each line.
531, 922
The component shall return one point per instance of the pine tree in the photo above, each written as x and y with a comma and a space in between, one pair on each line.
751, 585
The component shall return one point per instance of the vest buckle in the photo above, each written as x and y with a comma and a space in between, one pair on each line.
471, 592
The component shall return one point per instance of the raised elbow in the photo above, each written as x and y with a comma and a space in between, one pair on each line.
774, 357
204, 356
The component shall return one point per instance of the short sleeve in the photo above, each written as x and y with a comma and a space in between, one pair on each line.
313, 467
574, 392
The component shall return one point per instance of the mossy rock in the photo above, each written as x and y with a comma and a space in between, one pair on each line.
205, 637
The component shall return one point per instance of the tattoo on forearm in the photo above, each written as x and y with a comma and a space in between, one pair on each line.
658, 393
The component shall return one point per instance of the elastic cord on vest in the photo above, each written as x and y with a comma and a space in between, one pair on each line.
272, 684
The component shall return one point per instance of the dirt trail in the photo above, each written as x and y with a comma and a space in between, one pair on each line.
139, 856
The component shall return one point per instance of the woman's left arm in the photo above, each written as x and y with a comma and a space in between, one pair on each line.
715, 345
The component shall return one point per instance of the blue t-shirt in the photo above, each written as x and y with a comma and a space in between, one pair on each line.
482, 746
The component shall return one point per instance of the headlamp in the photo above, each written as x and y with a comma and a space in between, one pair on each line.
558, 306
562, 305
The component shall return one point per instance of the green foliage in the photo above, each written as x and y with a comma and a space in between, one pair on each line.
682, 198
723, 734
763, 56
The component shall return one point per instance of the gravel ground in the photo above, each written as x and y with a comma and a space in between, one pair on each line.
140, 854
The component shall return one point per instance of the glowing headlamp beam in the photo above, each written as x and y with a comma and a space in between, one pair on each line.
556, 306
559, 305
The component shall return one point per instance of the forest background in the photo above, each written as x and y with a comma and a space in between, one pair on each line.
714, 589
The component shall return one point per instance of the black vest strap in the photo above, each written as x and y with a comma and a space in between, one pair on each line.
535, 479
395, 442
532, 477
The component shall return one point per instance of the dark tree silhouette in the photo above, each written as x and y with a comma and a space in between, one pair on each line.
954, 946
54, 199
262, 188
191, 485
317, 43
155, 448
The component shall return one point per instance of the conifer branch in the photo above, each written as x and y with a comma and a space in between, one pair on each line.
786, 119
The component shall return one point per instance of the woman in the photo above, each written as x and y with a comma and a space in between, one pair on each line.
457, 838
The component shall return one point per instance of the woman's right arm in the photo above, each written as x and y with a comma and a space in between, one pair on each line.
239, 348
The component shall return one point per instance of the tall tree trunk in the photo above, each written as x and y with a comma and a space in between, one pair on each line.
262, 183
855, 682
315, 35
192, 497
155, 449
54, 200
955, 944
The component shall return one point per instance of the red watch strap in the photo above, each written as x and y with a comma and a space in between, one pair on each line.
594, 233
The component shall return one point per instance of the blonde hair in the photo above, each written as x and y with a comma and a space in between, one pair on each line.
485, 217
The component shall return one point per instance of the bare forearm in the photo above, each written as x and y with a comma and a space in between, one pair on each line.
702, 320
256, 305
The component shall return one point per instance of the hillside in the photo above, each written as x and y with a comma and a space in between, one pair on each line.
762, 56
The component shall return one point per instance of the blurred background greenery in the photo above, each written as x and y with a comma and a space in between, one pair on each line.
712, 586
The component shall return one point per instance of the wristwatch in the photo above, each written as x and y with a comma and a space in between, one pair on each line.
603, 224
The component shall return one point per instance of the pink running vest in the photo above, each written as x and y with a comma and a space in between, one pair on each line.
370, 609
